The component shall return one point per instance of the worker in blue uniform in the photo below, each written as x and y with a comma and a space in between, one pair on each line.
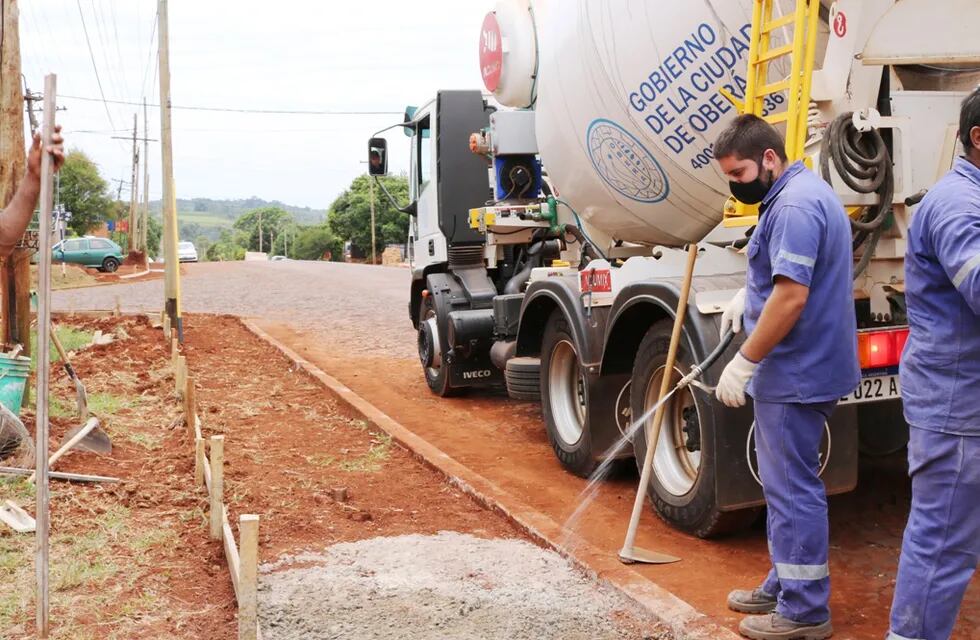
940, 377
799, 359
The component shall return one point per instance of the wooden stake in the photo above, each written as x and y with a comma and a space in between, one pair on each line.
248, 536
217, 484
180, 374
43, 358
198, 462
190, 412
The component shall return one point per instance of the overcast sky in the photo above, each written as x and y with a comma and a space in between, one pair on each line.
320, 55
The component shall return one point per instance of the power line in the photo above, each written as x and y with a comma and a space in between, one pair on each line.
234, 110
95, 68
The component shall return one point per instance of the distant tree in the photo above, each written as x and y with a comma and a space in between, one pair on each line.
189, 230
202, 244
350, 214
315, 241
84, 193
230, 246
154, 234
274, 220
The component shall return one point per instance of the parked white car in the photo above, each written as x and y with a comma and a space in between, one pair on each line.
186, 252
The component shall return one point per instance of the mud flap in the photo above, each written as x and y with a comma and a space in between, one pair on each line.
475, 372
737, 481
608, 417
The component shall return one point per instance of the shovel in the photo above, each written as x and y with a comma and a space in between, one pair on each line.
81, 397
87, 437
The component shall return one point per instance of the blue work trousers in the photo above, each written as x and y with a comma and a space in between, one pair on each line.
787, 443
942, 538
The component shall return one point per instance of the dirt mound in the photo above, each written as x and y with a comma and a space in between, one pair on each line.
445, 586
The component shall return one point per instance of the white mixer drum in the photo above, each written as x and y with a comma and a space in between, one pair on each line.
628, 108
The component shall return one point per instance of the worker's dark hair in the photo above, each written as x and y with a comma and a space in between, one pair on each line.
969, 118
748, 137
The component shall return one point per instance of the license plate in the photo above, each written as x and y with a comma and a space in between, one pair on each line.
874, 389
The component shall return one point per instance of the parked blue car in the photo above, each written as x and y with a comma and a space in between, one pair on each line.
101, 253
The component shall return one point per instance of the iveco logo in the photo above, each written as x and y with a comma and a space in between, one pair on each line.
470, 375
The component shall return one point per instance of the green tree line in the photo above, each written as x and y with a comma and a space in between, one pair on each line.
273, 228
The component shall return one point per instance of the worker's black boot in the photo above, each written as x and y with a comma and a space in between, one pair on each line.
754, 601
776, 627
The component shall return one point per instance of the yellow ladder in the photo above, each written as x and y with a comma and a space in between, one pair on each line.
802, 51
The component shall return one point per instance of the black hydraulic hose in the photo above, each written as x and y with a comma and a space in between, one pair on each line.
726, 341
862, 161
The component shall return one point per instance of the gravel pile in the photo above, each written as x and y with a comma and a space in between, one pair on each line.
443, 587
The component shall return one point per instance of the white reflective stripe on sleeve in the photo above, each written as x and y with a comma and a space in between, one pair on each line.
795, 257
802, 571
966, 270
894, 636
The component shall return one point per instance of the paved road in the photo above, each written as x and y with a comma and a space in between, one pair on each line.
351, 320
368, 303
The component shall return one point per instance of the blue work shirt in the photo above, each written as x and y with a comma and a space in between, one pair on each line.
940, 370
804, 235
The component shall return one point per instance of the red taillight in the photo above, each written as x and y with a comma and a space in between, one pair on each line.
880, 349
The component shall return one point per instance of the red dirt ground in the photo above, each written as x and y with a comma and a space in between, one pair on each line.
288, 444
505, 441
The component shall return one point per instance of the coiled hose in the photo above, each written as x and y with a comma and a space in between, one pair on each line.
862, 161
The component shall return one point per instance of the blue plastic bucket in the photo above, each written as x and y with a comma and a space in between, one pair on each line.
13, 380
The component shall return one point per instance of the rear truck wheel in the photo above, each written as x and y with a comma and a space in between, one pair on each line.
564, 399
434, 366
110, 264
523, 378
682, 485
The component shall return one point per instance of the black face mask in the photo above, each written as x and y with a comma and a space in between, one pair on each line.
752, 192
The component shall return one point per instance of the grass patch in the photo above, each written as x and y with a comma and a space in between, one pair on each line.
72, 339
106, 404
16, 488
153, 538
58, 408
371, 461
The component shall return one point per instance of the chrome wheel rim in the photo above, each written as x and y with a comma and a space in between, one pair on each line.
676, 468
566, 392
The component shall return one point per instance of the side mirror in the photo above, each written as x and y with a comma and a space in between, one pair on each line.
378, 157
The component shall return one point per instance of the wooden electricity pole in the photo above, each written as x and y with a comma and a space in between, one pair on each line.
145, 217
374, 245
15, 273
172, 275
133, 225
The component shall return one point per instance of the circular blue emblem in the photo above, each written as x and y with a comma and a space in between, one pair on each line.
624, 163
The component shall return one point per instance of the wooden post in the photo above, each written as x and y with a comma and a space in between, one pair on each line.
12, 160
172, 267
166, 327
248, 536
190, 411
180, 372
42, 514
217, 484
198, 462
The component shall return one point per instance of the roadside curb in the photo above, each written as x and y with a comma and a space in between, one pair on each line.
684, 621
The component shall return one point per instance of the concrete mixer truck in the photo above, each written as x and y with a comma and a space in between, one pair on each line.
549, 212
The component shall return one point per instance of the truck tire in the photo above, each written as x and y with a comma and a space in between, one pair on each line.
563, 398
434, 366
682, 485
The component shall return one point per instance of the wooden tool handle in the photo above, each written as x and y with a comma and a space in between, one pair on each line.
89, 426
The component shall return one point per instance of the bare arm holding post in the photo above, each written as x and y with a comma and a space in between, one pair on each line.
15, 218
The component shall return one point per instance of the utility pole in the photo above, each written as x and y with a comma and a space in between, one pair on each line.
15, 274
133, 230
145, 218
172, 275
260, 231
374, 249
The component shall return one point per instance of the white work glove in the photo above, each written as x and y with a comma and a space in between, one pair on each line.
731, 387
732, 318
